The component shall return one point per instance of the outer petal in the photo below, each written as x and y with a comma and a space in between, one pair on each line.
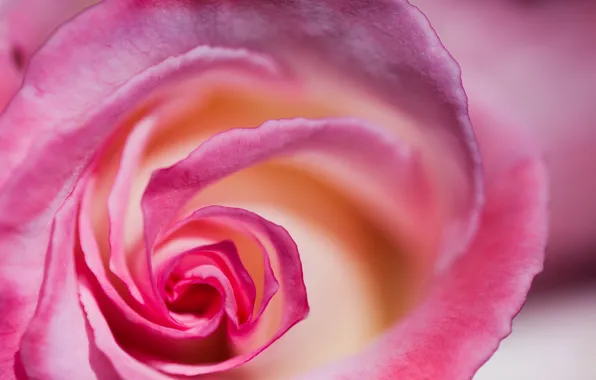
24, 26
451, 335
532, 63
56, 344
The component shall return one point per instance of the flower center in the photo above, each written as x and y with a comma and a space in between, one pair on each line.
192, 297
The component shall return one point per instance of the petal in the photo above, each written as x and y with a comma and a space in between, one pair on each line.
295, 305
538, 72
470, 310
119, 306
224, 256
24, 26
413, 79
56, 343
118, 202
232, 229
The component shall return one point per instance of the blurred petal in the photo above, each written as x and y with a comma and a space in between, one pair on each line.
531, 63
223, 255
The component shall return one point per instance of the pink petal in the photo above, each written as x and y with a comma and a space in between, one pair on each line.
119, 307
24, 26
56, 344
270, 283
532, 63
211, 276
223, 256
292, 285
296, 307
118, 202
362, 147
470, 310
414, 79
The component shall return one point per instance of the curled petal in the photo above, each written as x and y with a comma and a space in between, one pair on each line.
26, 232
380, 155
295, 304
118, 203
234, 286
225, 256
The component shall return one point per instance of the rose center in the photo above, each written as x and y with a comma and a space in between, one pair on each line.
192, 297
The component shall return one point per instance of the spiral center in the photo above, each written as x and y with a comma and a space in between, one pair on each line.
190, 297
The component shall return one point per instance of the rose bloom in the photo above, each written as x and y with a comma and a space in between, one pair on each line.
531, 63
258, 190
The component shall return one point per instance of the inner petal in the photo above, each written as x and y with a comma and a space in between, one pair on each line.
237, 252
182, 276
357, 280
193, 297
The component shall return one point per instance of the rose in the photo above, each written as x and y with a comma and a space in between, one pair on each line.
538, 72
96, 284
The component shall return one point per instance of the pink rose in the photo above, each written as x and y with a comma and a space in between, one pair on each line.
180, 175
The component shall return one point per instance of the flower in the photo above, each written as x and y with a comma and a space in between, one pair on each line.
163, 149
